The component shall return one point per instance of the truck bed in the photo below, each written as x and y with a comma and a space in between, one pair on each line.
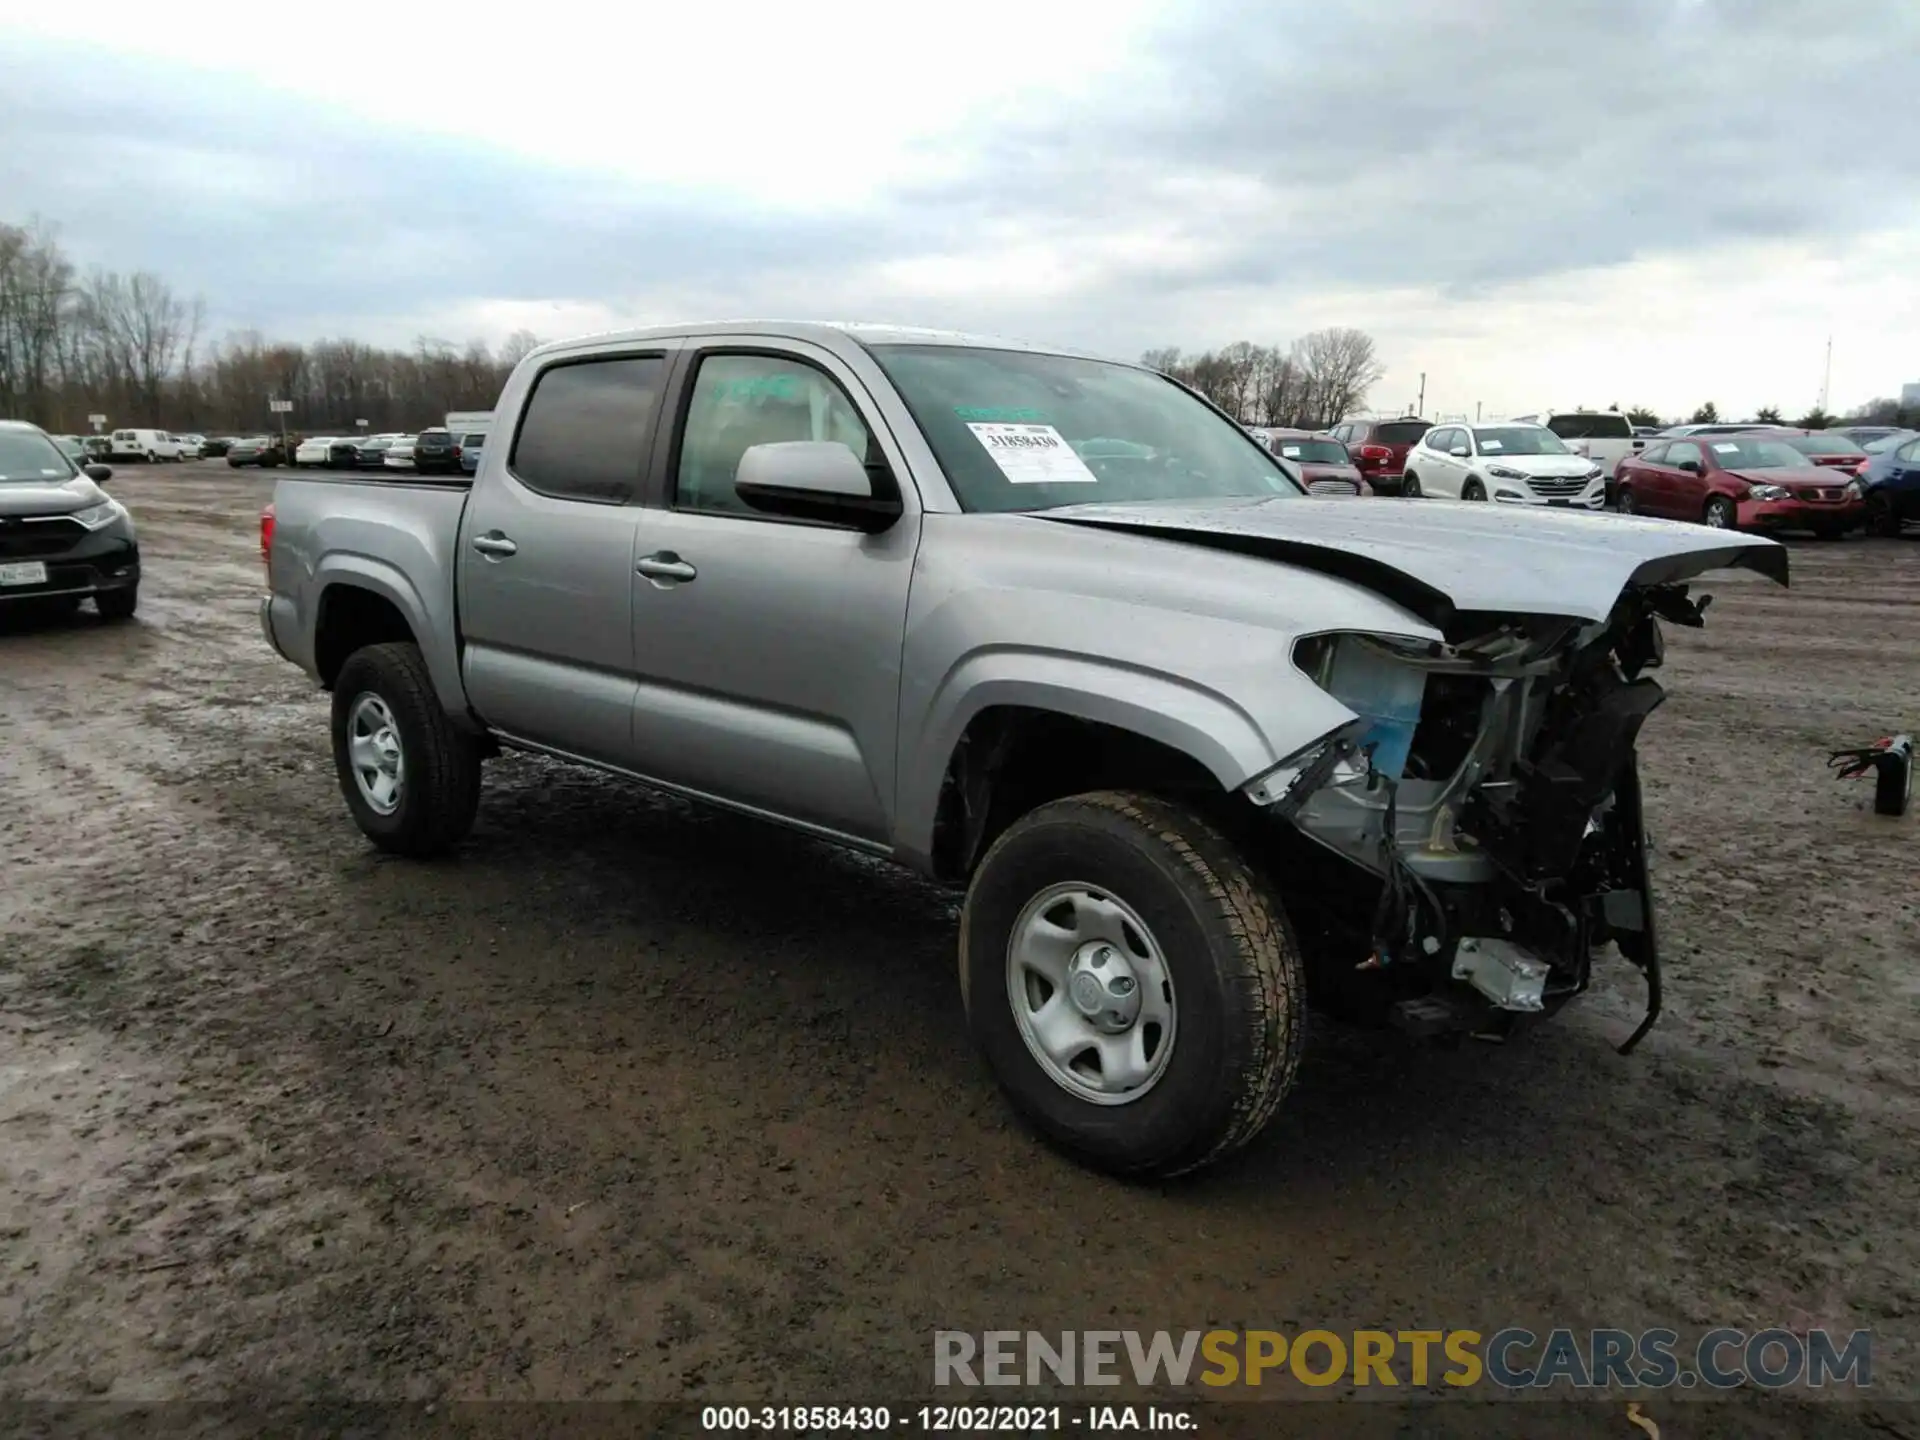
395, 537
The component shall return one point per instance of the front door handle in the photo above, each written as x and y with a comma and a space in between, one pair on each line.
495, 545
665, 565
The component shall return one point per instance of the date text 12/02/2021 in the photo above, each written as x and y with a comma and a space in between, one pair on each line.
942, 1419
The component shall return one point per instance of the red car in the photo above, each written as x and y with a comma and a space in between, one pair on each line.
1825, 448
1739, 482
1323, 461
1379, 448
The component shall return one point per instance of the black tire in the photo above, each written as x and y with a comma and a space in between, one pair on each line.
1410, 486
440, 785
117, 604
1473, 490
1721, 506
1882, 518
1626, 501
1893, 787
1234, 964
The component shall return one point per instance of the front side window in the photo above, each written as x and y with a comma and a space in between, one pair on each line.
1443, 440
587, 428
1654, 454
1018, 430
1518, 440
740, 401
1681, 454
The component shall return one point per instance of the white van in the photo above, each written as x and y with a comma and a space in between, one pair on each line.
146, 446
1605, 437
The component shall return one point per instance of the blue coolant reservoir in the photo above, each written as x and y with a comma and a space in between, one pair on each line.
1383, 690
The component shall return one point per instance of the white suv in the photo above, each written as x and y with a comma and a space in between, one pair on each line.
1605, 437
145, 445
1514, 464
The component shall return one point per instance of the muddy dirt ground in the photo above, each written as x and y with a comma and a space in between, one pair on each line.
632, 1101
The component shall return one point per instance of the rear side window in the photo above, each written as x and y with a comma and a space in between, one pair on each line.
1599, 426
472, 442
1400, 432
587, 428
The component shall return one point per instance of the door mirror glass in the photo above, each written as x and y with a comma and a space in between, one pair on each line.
813, 480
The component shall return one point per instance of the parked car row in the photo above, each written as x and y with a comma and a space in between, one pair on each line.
1753, 476
433, 451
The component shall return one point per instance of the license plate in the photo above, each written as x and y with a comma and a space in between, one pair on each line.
1559, 502
28, 572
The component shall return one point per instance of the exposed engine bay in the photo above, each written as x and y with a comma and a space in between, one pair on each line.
1490, 793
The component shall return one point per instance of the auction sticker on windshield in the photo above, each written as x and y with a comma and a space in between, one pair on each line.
1033, 455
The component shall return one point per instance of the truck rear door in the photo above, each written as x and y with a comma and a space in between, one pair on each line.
547, 555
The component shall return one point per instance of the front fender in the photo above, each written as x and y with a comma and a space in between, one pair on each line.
1204, 724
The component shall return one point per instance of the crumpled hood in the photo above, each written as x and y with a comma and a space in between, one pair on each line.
1439, 560
56, 497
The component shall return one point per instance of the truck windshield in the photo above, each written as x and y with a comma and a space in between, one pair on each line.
1016, 430
28, 458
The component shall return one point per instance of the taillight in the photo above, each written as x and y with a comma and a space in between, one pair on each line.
456, 452
266, 537
1375, 454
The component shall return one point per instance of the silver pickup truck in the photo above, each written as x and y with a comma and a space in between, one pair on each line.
1201, 749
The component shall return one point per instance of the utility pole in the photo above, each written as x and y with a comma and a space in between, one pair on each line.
1826, 377
1476, 412
1420, 408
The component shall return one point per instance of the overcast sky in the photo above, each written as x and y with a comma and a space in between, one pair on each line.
1654, 202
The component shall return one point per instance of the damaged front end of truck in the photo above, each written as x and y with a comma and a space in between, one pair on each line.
1486, 803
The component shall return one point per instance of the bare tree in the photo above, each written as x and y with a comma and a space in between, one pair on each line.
1340, 367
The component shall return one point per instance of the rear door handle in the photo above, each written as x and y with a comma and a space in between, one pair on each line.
665, 565
495, 545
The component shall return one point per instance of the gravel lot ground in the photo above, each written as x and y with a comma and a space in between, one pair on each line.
633, 1101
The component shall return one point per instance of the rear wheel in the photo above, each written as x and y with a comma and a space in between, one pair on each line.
410, 778
1136, 991
1410, 485
1720, 513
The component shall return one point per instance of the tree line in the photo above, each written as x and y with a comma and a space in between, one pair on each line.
133, 349
1316, 381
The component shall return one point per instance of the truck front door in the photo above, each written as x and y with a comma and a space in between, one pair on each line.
546, 556
768, 649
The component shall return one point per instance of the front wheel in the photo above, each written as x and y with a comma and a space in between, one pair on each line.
1882, 518
117, 604
1625, 502
1137, 993
1473, 490
410, 778
1720, 513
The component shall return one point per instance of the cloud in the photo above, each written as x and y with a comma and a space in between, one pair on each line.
1447, 176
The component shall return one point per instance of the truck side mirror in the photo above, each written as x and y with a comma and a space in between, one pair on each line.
814, 480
